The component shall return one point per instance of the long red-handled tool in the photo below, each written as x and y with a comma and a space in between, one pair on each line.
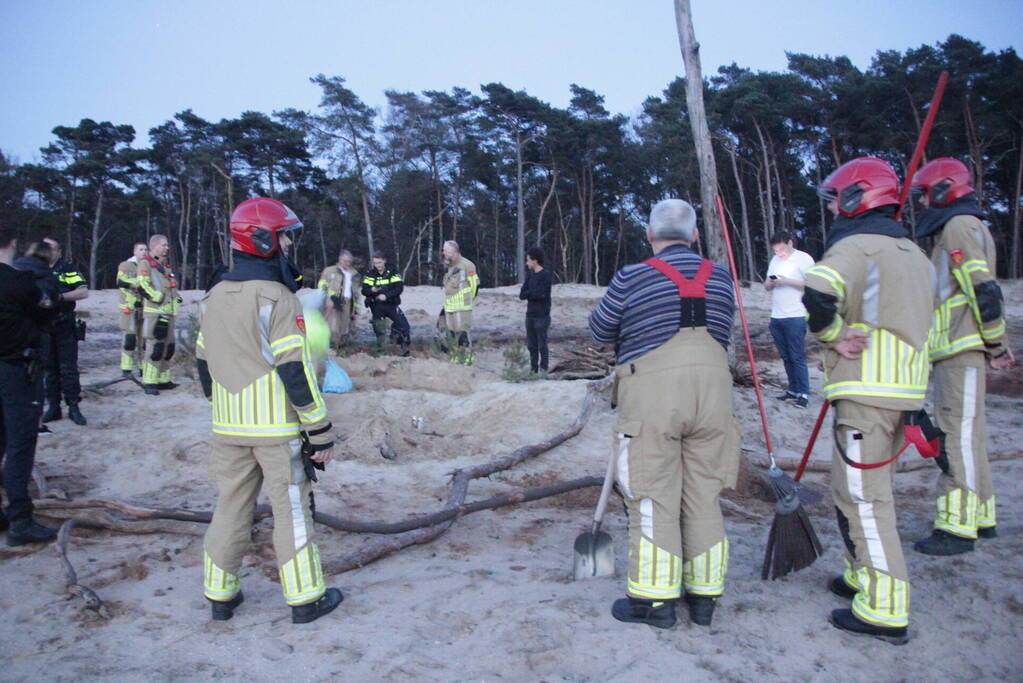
914, 164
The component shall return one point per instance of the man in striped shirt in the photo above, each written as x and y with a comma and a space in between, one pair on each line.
670, 318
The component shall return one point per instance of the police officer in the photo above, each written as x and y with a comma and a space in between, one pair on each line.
461, 284
62, 367
676, 440
342, 283
255, 367
382, 288
24, 310
968, 327
159, 289
130, 306
869, 304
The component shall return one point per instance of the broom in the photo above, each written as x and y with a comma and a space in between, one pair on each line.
792, 540
792, 543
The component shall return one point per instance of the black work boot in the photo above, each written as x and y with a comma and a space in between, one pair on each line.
126, 374
26, 530
52, 413
660, 614
150, 390
987, 532
222, 610
940, 542
167, 386
76, 415
328, 602
845, 619
839, 587
701, 609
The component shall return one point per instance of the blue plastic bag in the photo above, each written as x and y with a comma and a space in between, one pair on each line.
336, 380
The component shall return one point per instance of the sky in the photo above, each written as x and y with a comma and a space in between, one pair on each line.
141, 61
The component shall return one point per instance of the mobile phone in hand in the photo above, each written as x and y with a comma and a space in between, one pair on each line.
773, 277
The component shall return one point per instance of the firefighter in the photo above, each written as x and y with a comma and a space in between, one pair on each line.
676, 440
130, 307
159, 290
968, 328
61, 377
461, 284
869, 302
382, 288
342, 283
270, 423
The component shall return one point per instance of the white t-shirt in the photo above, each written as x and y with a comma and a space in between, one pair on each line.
787, 301
346, 291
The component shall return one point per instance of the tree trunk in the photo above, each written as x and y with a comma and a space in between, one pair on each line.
701, 132
769, 215
543, 207
1014, 258
750, 267
520, 214
94, 247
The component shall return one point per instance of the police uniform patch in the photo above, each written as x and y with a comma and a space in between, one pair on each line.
957, 256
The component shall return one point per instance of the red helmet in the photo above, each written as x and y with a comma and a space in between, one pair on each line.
256, 222
943, 180
860, 185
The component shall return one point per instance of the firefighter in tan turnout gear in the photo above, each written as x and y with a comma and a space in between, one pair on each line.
270, 424
461, 284
130, 305
159, 290
342, 283
676, 441
968, 328
869, 303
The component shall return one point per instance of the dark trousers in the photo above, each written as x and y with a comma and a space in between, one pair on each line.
536, 341
19, 417
790, 338
62, 364
400, 331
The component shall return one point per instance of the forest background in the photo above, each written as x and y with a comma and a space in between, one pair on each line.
499, 170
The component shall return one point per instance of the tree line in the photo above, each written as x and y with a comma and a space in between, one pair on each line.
502, 170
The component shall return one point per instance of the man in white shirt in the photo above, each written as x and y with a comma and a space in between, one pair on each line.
785, 276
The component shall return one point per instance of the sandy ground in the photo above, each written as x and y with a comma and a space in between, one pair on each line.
492, 599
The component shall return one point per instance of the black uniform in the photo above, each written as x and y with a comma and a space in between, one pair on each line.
536, 290
62, 363
391, 286
24, 312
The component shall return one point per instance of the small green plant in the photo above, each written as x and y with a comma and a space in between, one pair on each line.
516, 364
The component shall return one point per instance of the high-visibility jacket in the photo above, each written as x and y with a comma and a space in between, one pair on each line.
127, 283
969, 314
332, 281
255, 367
69, 278
460, 286
158, 287
390, 284
884, 286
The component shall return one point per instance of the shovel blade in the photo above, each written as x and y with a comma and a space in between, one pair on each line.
594, 556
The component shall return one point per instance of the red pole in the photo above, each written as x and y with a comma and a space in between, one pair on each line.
745, 329
921, 142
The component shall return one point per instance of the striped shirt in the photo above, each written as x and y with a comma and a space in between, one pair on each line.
641, 310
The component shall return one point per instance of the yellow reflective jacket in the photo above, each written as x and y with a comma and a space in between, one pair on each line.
258, 373
157, 286
127, 283
332, 281
460, 286
883, 285
968, 310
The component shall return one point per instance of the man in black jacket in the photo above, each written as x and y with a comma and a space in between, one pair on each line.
536, 290
382, 288
62, 364
24, 311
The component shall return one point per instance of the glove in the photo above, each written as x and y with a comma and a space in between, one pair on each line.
308, 464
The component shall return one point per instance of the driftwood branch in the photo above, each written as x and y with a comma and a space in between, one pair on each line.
75, 589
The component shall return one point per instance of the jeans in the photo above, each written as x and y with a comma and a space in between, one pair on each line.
790, 338
536, 341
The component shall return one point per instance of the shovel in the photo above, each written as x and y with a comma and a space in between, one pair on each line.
594, 554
